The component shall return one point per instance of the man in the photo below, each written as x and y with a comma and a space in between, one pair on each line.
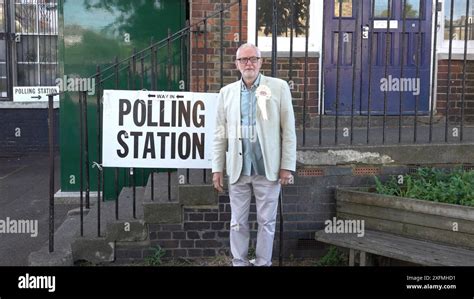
256, 142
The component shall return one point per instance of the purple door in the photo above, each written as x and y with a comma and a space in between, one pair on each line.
383, 64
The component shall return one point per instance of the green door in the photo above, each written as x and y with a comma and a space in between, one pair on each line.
94, 33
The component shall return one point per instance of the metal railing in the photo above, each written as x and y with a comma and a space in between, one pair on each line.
171, 59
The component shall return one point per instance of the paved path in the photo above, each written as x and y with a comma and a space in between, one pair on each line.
24, 195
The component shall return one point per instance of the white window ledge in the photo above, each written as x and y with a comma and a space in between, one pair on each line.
26, 105
286, 54
455, 56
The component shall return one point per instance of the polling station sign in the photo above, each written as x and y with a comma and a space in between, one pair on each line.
34, 93
151, 129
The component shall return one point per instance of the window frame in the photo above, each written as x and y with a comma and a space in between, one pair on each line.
443, 44
283, 43
53, 33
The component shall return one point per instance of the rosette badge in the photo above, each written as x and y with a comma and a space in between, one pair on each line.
263, 94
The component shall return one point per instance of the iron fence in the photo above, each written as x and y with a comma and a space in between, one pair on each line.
337, 126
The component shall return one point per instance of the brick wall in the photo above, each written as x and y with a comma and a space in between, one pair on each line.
297, 86
204, 232
455, 99
231, 43
25, 130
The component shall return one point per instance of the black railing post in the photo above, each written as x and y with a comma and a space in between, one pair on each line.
448, 91
305, 83
142, 86
51, 171
371, 49
205, 51
134, 191
142, 71
292, 28
169, 185
402, 67
338, 71
355, 41
81, 162
323, 58
134, 69
196, 47
154, 88
204, 179
257, 21
466, 34
169, 65
116, 172
280, 245
188, 56
240, 22
86, 148
274, 37
417, 76
388, 45
99, 145
433, 75
222, 43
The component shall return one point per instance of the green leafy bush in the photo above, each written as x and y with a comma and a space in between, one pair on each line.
333, 257
156, 258
454, 187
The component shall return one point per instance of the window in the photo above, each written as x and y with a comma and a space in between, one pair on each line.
345, 6
260, 24
3, 52
36, 29
458, 26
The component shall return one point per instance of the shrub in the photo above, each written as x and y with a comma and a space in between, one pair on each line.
156, 258
454, 187
333, 257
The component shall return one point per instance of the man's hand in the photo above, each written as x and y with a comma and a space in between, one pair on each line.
218, 181
286, 177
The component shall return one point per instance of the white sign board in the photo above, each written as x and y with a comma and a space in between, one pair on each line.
151, 129
34, 93
383, 24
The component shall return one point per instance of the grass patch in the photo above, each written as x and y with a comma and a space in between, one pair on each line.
333, 257
156, 259
453, 187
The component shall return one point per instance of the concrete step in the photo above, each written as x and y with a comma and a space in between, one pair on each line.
127, 231
175, 180
163, 212
108, 214
197, 195
161, 193
94, 250
62, 254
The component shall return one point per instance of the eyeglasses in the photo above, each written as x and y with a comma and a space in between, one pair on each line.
244, 60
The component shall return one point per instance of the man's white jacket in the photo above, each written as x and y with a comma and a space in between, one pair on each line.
276, 134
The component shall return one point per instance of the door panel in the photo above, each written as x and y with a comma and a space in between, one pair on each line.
341, 61
408, 41
392, 60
